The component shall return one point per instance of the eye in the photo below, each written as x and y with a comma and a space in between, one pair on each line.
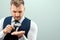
14, 11
20, 11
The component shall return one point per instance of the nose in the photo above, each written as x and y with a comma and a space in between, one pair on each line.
17, 14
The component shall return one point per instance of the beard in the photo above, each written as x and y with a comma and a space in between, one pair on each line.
17, 18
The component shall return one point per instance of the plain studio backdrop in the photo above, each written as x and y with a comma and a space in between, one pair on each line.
46, 13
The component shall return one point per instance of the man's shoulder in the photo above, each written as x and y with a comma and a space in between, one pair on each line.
27, 18
33, 23
2, 19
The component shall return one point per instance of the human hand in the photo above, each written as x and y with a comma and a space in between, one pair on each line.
18, 33
8, 29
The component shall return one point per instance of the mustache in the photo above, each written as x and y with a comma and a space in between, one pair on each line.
17, 16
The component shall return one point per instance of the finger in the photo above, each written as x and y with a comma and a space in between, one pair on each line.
14, 33
12, 27
17, 33
8, 30
22, 32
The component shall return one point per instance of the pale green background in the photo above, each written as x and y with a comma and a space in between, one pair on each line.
46, 13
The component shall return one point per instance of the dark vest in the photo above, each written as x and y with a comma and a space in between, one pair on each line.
25, 26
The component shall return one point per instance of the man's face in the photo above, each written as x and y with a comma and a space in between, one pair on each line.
17, 12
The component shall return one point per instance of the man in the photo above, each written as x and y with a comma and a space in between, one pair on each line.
26, 29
